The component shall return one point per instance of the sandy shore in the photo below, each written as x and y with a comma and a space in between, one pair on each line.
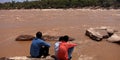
72, 22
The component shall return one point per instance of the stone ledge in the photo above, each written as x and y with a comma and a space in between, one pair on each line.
25, 58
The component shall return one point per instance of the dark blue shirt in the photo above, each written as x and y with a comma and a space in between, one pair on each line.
35, 46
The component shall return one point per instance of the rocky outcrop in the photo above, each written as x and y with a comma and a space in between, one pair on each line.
25, 58
24, 38
100, 33
115, 38
54, 38
93, 34
50, 38
45, 37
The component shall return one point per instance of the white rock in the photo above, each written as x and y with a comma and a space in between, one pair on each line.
114, 38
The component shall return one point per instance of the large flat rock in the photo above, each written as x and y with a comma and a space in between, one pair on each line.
24, 38
25, 58
99, 33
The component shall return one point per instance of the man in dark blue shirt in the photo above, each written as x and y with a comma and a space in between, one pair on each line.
39, 47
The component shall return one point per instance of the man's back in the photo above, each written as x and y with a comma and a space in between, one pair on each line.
36, 46
63, 50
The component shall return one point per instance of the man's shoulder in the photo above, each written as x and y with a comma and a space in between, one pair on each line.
37, 39
57, 42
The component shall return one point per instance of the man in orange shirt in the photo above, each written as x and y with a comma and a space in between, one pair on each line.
63, 49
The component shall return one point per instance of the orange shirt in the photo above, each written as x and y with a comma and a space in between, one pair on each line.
63, 50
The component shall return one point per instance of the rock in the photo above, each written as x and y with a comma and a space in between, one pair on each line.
50, 38
85, 57
95, 34
99, 33
103, 33
71, 39
54, 38
45, 37
111, 31
25, 38
25, 58
4, 58
115, 38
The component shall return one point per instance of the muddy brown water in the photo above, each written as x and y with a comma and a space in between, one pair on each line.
72, 22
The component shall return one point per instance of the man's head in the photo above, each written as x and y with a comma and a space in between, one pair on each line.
65, 38
61, 38
39, 34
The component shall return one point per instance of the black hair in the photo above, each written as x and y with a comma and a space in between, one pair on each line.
39, 34
61, 38
65, 38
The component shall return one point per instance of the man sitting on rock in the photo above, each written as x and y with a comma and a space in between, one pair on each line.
65, 49
56, 47
39, 47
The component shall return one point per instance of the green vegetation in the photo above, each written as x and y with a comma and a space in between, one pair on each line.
44, 4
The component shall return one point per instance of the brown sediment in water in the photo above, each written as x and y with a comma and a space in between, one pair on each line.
56, 22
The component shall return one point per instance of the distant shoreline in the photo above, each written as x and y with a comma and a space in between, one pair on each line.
99, 9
